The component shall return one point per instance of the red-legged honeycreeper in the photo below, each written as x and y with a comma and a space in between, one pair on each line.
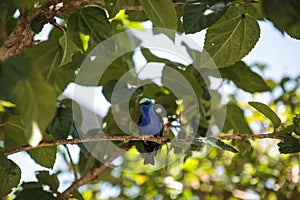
150, 123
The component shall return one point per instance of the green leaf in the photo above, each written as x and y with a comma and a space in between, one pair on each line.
10, 175
115, 70
114, 6
45, 156
47, 56
244, 78
34, 193
38, 23
62, 123
137, 15
289, 145
122, 92
219, 144
44, 178
284, 15
235, 120
189, 76
4, 162
36, 104
256, 10
14, 132
184, 83
77, 195
268, 112
27, 4
243, 146
162, 95
90, 21
296, 121
286, 130
161, 12
150, 57
232, 37
8, 22
14, 70
199, 14
69, 48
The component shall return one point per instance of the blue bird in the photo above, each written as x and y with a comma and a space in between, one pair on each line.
150, 124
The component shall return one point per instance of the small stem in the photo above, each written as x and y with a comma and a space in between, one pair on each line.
55, 24
89, 176
72, 163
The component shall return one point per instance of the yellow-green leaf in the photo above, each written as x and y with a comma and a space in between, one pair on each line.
268, 112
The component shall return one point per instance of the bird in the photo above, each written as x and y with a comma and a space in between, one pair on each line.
150, 123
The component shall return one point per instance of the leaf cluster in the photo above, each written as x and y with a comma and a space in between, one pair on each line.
32, 82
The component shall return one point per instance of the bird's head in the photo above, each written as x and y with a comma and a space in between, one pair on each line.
146, 103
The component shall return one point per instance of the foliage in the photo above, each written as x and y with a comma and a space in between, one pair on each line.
32, 81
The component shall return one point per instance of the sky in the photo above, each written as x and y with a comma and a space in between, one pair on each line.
278, 51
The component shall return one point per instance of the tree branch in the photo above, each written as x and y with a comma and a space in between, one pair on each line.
160, 140
22, 35
139, 8
89, 176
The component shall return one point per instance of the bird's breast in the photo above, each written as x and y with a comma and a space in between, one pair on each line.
150, 126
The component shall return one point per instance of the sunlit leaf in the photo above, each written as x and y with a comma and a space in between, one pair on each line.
268, 112
219, 144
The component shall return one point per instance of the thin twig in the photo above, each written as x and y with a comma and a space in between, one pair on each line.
159, 140
89, 176
72, 163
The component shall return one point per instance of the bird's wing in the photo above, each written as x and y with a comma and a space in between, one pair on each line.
161, 124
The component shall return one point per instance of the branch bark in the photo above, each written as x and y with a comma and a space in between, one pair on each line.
159, 140
22, 35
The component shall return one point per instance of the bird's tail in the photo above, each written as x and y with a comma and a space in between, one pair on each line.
149, 158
